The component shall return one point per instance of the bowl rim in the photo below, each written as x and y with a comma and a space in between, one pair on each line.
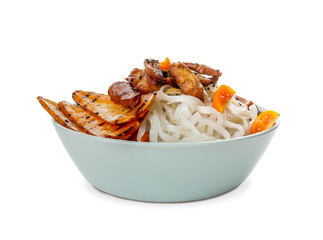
111, 140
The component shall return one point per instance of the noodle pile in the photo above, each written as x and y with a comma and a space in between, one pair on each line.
183, 118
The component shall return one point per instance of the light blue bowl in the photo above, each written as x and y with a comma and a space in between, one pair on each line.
164, 172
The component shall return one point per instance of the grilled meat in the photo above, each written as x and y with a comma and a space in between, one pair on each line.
203, 69
142, 82
187, 80
153, 69
122, 93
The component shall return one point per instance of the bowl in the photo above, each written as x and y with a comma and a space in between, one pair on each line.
164, 172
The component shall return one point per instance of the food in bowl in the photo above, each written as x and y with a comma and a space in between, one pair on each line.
164, 102
201, 135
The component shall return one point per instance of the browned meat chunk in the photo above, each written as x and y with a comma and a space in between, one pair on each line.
204, 80
202, 69
142, 82
153, 69
169, 80
122, 93
187, 80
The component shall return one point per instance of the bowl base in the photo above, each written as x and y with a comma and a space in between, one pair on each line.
156, 201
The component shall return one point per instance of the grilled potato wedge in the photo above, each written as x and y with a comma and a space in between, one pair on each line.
94, 125
53, 109
104, 108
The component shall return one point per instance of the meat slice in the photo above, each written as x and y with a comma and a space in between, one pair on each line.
169, 80
205, 80
153, 69
203, 69
123, 94
187, 80
142, 82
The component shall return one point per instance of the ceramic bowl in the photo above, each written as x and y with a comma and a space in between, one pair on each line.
164, 172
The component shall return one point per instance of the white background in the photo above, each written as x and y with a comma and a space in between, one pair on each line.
270, 52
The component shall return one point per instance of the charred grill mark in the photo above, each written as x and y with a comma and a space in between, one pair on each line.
87, 117
96, 113
151, 61
143, 104
66, 121
116, 122
87, 95
101, 124
128, 130
120, 126
94, 100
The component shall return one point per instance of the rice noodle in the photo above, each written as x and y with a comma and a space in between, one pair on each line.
185, 118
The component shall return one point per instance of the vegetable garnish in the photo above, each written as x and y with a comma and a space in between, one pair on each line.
264, 121
165, 64
145, 137
222, 97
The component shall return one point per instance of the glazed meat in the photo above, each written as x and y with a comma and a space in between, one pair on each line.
153, 69
202, 69
169, 80
187, 80
123, 94
142, 82
204, 80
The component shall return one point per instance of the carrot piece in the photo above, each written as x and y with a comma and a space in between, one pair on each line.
165, 64
145, 137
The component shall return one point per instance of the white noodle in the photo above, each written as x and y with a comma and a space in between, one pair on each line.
185, 118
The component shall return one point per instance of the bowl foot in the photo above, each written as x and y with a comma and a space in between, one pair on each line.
163, 201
